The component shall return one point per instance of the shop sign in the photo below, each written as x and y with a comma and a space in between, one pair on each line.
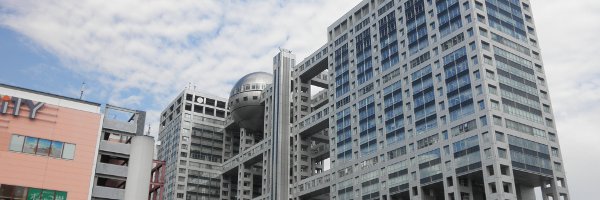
17, 102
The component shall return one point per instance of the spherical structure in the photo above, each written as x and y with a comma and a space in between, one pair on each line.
244, 100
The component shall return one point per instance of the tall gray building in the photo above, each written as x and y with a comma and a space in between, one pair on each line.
191, 144
408, 99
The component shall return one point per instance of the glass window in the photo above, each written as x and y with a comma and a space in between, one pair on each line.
483, 120
500, 137
546, 108
30, 144
557, 166
56, 149
473, 46
479, 89
489, 74
497, 120
493, 89
501, 153
555, 152
43, 147
445, 133
495, 105
69, 151
12, 192
486, 137
549, 123
16, 143
446, 150
474, 60
477, 75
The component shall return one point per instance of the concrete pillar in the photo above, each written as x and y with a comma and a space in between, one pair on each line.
280, 176
140, 167
525, 192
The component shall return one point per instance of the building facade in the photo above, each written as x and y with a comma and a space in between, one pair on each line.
56, 147
408, 99
119, 127
191, 144
48, 145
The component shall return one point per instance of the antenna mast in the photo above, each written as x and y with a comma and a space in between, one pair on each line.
149, 127
82, 89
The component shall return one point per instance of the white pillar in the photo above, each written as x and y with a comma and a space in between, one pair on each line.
140, 166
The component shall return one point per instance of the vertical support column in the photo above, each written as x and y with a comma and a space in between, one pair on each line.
246, 139
245, 182
227, 144
550, 191
302, 99
282, 64
226, 187
452, 192
509, 178
266, 185
140, 167
305, 150
525, 192
465, 188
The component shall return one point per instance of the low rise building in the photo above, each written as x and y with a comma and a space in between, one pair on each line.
48, 145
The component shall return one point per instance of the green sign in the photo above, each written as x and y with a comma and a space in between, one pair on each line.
60, 195
34, 194
39, 194
48, 195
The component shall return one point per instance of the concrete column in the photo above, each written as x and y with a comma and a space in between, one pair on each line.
550, 191
266, 181
280, 176
226, 187
525, 192
247, 139
245, 181
139, 169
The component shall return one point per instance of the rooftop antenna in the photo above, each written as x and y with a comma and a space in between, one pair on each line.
194, 86
81, 91
149, 127
189, 85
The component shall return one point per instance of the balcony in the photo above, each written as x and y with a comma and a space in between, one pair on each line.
100, 192
110, 169
319, 150
124, 120
313, 185
317, 120
120, 148
313, 65
320, 99
246, 155
118, 125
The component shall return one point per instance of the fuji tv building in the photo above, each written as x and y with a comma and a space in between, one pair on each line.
391, 107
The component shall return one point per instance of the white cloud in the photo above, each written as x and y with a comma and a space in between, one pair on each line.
568, 38
144, 52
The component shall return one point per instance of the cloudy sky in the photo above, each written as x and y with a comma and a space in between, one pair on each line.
140, 53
